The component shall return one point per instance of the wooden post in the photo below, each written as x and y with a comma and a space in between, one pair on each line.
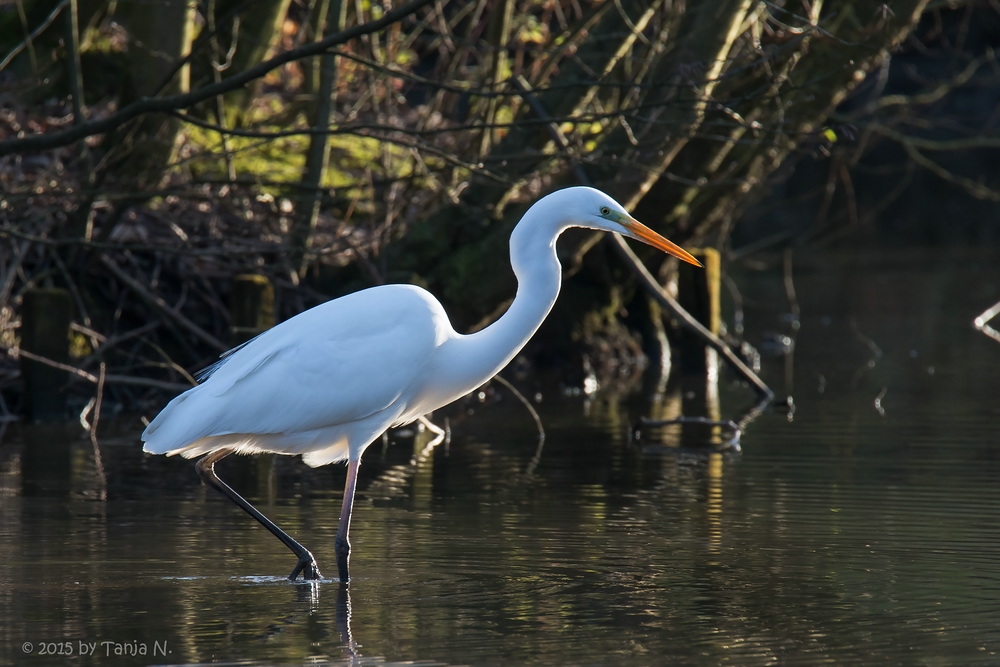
251, 307
698, 291
45, 320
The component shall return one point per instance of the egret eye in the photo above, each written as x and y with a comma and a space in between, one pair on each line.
605, 210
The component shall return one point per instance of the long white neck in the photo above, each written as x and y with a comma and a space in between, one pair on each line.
539, 276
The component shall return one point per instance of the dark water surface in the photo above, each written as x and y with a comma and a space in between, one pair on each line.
859, 532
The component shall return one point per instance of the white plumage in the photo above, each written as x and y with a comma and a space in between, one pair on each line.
329, 381
334, 376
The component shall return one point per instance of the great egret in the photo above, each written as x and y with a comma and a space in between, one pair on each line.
329, 381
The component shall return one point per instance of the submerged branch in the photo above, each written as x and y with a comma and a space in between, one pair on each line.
685, 318
980, 323
531, 409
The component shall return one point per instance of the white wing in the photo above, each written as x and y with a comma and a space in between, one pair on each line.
345, 361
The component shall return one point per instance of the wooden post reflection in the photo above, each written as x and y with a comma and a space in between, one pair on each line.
45, 467
698, 291
713, 497
267, 473
667, 406
423, 475
10, 470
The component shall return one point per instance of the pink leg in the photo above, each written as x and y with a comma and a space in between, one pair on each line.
343, 545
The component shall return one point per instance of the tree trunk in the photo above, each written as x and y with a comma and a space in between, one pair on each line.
246, 32
318, 155
160, 34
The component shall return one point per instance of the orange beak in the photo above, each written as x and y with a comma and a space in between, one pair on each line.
641, 232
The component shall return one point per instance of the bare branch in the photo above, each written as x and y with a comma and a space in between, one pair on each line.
162, 305
147, 105
34, 34
974, 188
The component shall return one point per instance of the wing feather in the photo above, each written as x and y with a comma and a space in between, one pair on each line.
340, 362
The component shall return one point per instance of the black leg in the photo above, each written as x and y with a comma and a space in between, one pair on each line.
206, 470
343, 545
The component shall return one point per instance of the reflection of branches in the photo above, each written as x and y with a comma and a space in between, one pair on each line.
736, 428
870, 344
389, 481
980, 323
98, 462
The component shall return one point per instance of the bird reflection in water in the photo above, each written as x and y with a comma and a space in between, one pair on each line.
344, 624
308, 593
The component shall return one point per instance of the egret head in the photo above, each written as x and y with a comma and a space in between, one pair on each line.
593, 209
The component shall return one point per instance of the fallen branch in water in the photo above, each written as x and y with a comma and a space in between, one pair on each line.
524, 401
980, 323
736, 427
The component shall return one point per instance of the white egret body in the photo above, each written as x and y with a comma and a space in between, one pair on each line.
329, 381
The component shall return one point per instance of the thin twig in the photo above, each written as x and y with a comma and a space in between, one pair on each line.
704, 421
527, 404
686, 319
116, 340
98, 462
34, 33
8, 282
974, 188
793, 302
16, 352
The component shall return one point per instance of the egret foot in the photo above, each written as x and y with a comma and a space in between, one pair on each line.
308, 567
343, 549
